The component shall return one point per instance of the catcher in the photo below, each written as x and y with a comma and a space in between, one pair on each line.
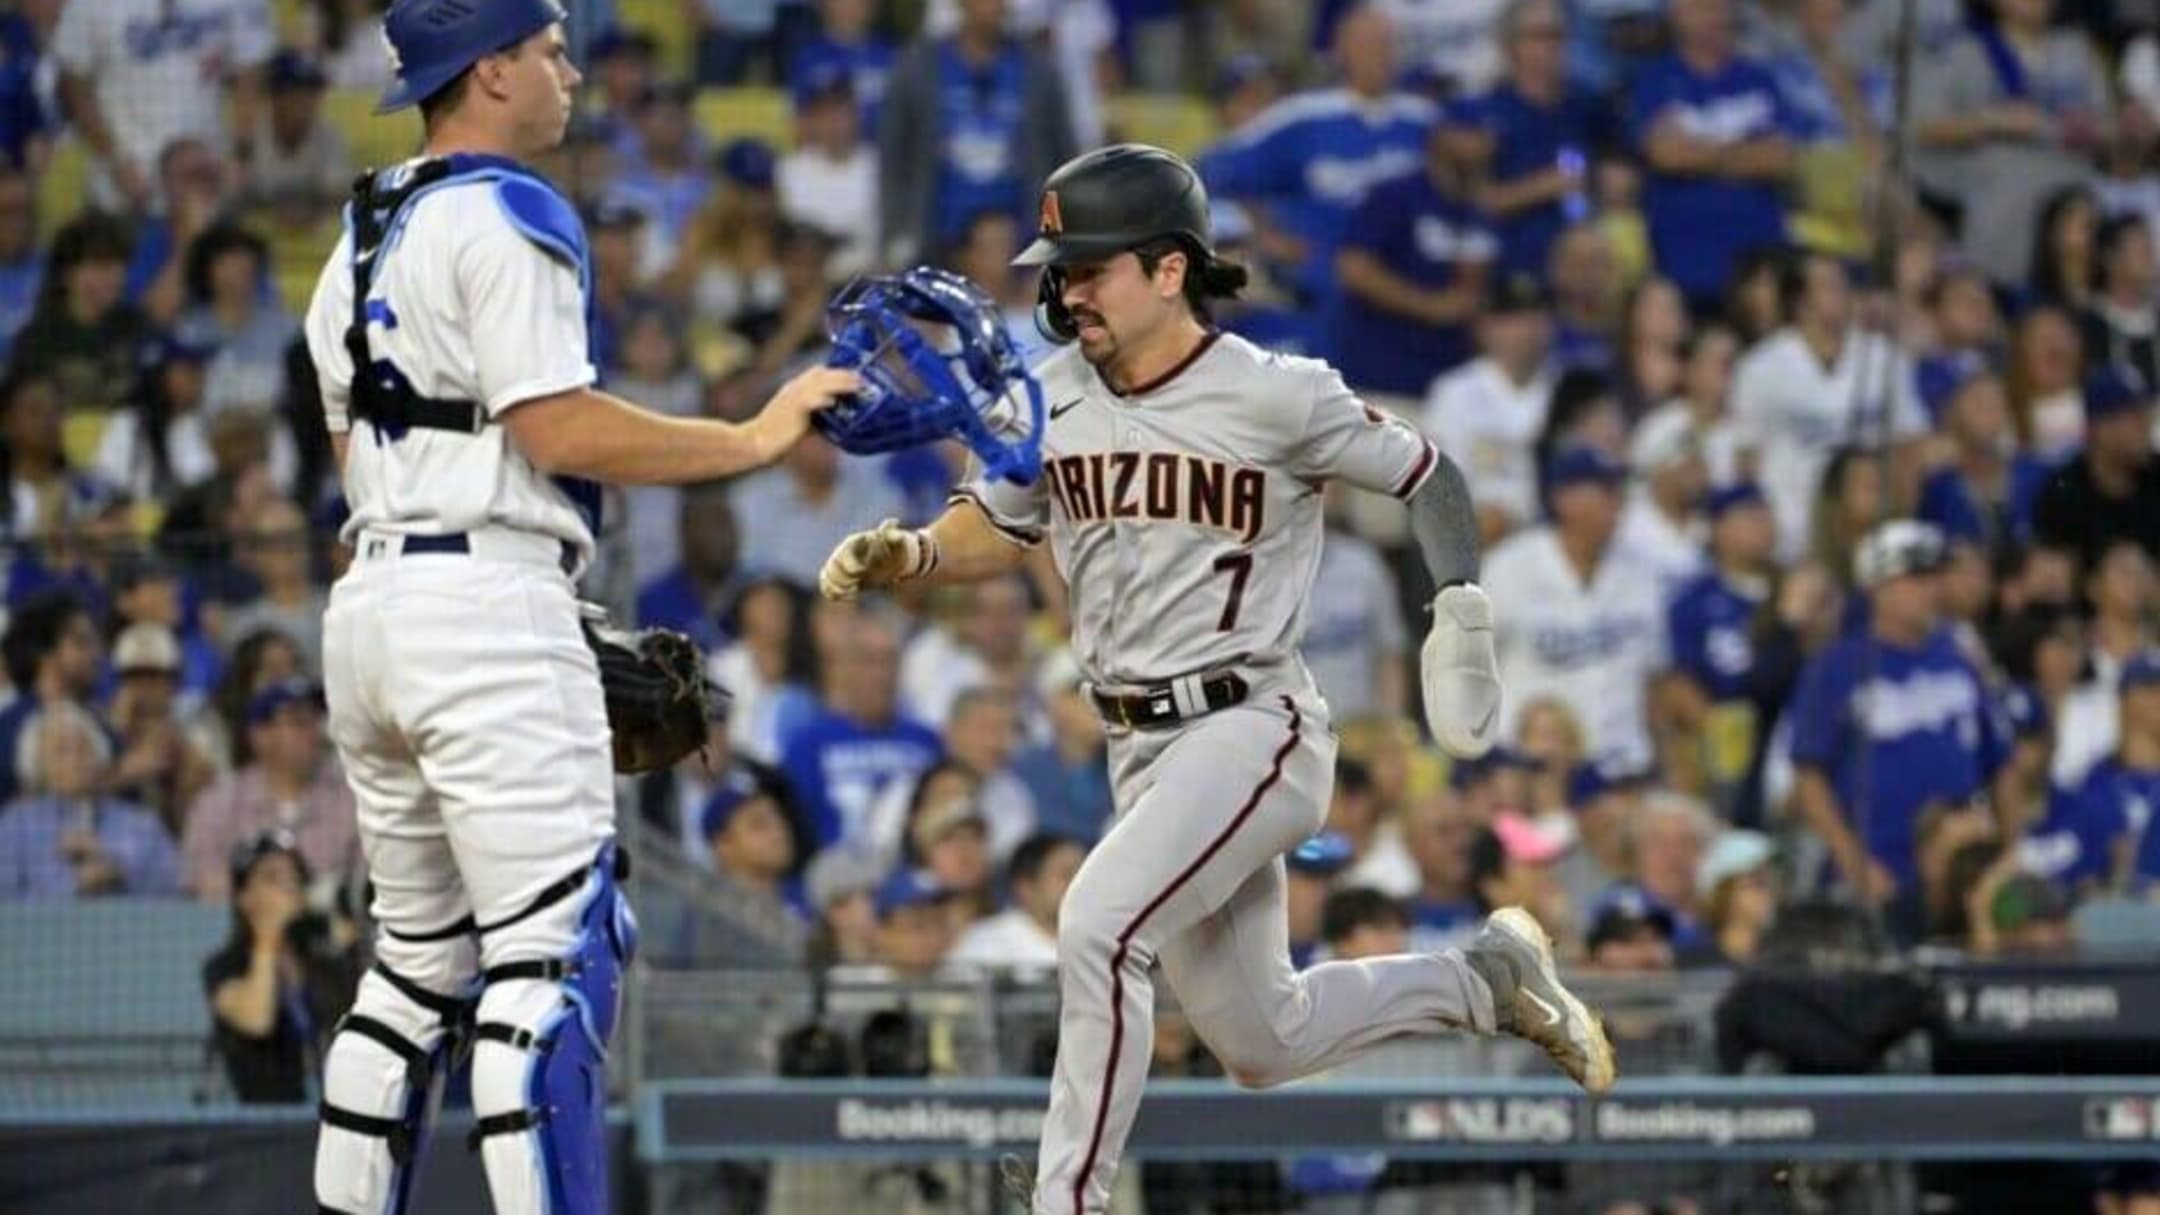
450, 334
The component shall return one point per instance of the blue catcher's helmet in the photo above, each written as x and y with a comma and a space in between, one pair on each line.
916, 390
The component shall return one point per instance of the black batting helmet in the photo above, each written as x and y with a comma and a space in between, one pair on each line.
1124, 196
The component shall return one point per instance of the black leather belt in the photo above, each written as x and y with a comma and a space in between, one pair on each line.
1155, 707
455, 542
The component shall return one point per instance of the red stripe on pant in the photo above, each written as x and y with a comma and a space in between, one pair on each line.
1124, 941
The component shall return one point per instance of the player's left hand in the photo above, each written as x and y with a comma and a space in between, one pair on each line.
787, 416
1460, 673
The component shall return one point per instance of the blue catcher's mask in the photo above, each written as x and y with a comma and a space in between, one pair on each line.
915, 393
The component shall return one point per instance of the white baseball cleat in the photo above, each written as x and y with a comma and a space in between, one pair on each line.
1530, 1002
1460, 673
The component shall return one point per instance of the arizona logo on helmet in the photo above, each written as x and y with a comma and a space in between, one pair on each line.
1053, 224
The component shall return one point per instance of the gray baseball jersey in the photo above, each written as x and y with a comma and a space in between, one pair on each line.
1185, 516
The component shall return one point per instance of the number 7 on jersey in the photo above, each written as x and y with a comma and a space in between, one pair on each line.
1239, 566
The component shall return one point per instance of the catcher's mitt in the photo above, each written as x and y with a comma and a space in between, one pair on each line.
658, 699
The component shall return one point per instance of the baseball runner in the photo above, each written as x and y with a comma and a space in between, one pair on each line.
450, 331
1181, 497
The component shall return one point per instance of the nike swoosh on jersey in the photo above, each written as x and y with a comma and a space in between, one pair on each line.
1552, 1015
1060, 411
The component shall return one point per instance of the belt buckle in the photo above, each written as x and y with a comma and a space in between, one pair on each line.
1124, 711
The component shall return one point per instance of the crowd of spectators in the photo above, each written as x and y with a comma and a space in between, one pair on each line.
1622, 260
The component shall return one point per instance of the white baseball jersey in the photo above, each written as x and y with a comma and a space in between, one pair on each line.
1672, 552
1354, 623
157, 65
1489, 425
1185, 515
1594, 647
1794, 412
1457, 39
468, 308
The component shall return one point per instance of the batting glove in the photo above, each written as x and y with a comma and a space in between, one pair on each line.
1461, 675
877, 559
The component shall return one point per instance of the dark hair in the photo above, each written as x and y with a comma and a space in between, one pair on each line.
92, 236
801, 663
237, 687
1767, 259
915, 803
1488, 860
17, 380
34, 632
1355, 907
1578, 391
2048, 273
1033, 853
2113, 232
1352, 776
1207, 277
218, 240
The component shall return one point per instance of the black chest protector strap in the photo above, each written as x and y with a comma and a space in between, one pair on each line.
381, 394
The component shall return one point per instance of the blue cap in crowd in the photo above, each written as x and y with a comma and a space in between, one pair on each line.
1324, 855
1583, 464
615, 40
2113, 389
820, 78
292, 71
737, 786
1734, 495
267, 703
748, 162
1623, 907
908, 887
1468, 772
2143, 669
1593, 780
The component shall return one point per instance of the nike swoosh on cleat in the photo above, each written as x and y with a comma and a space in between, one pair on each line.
1552, 1015
1485, 723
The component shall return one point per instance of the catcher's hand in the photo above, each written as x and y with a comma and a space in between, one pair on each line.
876, 560
658, 700
1460, 672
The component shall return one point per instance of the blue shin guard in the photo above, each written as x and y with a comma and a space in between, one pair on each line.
542, 1041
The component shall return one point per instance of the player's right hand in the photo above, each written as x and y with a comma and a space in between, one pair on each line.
875, 560
787, 415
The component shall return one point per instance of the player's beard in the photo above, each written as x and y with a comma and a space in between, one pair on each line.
1101, 347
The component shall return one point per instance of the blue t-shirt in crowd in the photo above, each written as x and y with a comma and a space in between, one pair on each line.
1312, 158
22, 116
19, 285
1711, 624
1701, 226
1937, 377
1896, 728
673, 601
2075, 843
839, 767
1270, 327
868, 64
1528, 139
980, 116
1427, 239
1948, 501
1070, 799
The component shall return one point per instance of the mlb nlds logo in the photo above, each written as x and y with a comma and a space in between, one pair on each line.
1484, 1120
